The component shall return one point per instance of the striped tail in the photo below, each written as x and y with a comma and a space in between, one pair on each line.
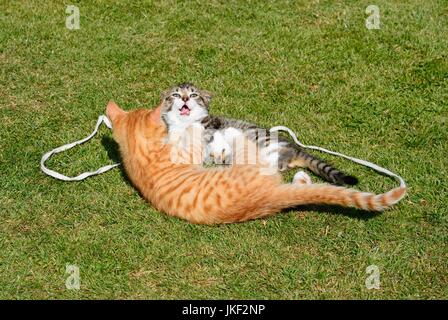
322, 168
293, 195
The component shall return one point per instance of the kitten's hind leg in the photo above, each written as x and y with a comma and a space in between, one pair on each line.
301, 178
319, 167
289, 158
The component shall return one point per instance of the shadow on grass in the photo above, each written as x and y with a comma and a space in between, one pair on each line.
336, 210
114, 154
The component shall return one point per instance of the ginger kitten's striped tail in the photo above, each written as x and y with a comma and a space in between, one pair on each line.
292, 195
271, 201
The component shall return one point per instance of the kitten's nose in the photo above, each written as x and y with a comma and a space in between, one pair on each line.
185, 98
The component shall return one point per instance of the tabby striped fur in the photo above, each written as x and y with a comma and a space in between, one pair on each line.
289, 154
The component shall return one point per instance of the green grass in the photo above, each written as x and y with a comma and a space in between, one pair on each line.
379, 95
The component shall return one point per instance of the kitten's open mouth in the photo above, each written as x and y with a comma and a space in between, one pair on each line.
184, 111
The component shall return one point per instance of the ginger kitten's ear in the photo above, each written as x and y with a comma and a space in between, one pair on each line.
155, 114
113, 111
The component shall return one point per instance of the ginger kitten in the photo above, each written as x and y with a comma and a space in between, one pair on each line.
216, 195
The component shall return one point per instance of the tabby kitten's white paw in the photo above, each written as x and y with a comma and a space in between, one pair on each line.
301, 178
220, 152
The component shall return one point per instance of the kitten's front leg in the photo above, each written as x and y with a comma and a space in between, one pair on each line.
194, 142
219, 150
187, 147
174, 137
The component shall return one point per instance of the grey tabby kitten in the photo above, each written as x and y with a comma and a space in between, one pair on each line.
185, 104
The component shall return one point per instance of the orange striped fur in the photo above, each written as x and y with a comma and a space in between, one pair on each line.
216, 195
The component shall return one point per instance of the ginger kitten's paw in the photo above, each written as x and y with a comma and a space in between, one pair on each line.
301, 178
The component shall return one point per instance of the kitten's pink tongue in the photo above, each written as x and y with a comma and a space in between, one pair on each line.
184, 111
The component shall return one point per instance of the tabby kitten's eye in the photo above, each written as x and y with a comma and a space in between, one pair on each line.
193, 95
176, 95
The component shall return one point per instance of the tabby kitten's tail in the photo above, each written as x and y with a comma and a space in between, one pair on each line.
321, 168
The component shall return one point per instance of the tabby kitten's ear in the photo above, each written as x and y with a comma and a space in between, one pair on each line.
206, 97
164, 95
113, 111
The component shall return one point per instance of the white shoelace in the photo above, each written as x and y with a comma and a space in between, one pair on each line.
359, 161
106, 121
82, 176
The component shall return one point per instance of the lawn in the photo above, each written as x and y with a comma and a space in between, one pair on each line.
377, 94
